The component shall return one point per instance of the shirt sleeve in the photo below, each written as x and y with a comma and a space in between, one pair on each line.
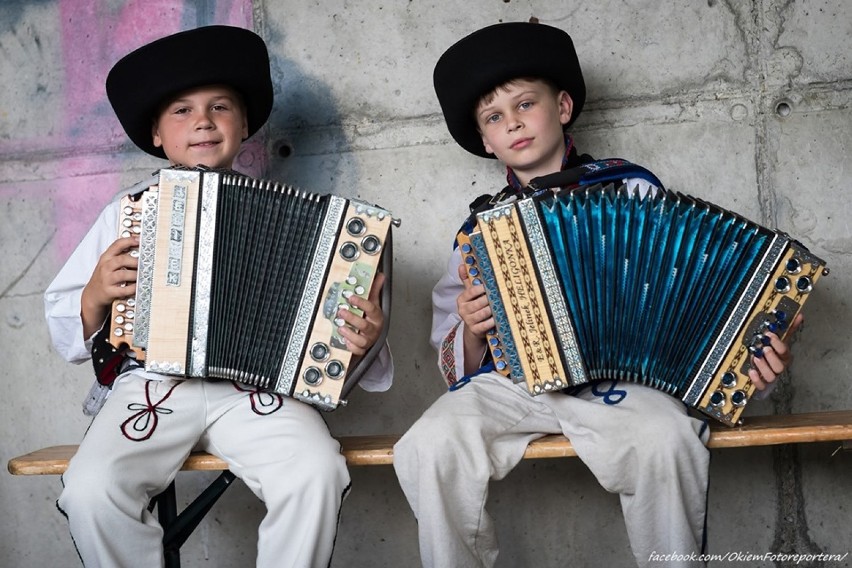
62, 297
379, 376
447, 325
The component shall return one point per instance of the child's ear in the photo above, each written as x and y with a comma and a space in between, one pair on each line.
486, 145
566, 107
155, 135
245, 127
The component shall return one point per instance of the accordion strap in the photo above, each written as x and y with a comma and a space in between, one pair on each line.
599, 171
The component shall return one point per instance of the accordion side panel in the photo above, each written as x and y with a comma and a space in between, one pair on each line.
499, 339
782, 297
171, 292
123, 312
351, 272
523, 300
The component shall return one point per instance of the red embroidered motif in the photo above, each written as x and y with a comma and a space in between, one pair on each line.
262, 402
145, 421
448, 356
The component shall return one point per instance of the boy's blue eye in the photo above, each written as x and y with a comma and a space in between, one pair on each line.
525, 105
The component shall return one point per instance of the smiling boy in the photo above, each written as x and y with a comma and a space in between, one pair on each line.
196, 113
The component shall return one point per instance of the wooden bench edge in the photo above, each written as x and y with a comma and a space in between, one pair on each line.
827, 426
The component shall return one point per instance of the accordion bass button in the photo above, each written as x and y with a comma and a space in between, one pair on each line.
371, 244
717, 399
349, 250
739, 398
729, 379
782, 284
334, 369
355, 226
804, 284
319, 351
793, 266
312, 376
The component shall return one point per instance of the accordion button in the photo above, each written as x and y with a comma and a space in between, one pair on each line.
469, 260
359, 290
319, 351
494, 340
782, 284
466, 248
804, 284
497, 352
355, 226
780, 315
371, 244
312, 376
119, 320
120, 307
351, 280
717, 399
500, 365
334, 369
349, 251
793, 266
739, 398
474, 271
729, 379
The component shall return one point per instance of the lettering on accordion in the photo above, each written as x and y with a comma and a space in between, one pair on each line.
495, 338
521, 297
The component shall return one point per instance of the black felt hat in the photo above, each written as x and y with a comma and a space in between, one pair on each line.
492, 56
213, 55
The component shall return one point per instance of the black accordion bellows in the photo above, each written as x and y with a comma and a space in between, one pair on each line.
663, 289
267, 250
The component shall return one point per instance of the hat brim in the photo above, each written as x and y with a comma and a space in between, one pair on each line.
492, 56
143, 80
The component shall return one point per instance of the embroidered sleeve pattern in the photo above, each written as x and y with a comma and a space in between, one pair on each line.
448, 356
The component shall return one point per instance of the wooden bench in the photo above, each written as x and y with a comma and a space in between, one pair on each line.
830, 426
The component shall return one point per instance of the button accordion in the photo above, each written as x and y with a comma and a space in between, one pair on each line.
242, 279
602, 282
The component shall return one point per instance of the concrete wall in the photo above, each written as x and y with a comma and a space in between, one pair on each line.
692, 89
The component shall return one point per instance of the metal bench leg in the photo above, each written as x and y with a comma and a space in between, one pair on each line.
177, 528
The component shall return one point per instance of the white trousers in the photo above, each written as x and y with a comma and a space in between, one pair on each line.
278, 446
638, 442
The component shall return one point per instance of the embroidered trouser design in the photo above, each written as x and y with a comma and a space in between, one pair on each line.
141, 437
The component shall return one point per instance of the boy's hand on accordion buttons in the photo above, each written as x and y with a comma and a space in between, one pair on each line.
776, 358
473, 307
361, 332
114, 278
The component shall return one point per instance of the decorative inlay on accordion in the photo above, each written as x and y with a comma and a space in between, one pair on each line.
663, 289
242, 279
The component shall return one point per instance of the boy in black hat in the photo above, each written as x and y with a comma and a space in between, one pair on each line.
509, 91
192, 98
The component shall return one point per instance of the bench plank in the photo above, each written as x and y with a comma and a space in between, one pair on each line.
831, 426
